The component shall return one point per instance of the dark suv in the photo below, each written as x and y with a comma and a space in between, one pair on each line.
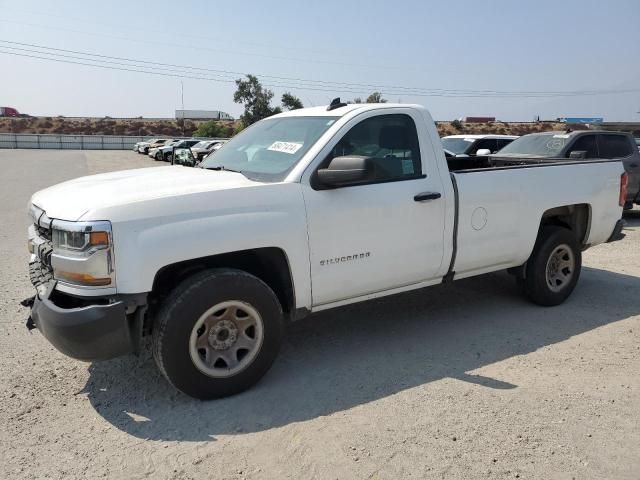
583, 144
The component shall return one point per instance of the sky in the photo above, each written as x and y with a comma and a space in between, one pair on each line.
495, 53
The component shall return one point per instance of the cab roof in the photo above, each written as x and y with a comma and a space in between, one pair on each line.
341, 111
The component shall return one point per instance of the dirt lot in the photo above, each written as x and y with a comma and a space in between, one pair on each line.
460, 381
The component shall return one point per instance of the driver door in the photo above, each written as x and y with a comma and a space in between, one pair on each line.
373, 237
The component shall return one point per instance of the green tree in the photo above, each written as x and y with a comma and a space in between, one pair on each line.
376, 97
255, 98
291, 102
356, 100
212, 129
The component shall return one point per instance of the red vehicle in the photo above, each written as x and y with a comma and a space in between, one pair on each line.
479, 119
9, 112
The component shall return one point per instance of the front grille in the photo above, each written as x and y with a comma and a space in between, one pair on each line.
43, 232
40, 270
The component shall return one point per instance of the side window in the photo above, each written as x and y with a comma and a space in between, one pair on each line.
585, 143
614, 146
488, 143
391, 141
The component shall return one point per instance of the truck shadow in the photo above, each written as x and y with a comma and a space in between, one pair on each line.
340, 359
632, 217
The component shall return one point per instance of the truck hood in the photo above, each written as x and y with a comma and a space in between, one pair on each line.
73, 199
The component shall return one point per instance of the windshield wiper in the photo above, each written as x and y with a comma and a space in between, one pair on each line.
222, 168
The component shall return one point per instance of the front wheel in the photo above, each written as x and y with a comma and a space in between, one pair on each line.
217, 333
169, 158
554, 267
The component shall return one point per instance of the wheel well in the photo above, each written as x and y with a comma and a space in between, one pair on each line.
268, 264
576, 218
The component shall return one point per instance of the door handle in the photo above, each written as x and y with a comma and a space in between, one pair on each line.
424, 196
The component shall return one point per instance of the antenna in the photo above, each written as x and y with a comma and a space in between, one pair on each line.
335, 103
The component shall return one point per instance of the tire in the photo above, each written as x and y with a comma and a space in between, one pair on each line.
553, 268
158, 156
169, 158
194, 356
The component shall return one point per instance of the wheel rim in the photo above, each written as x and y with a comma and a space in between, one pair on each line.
226, 338
560, 268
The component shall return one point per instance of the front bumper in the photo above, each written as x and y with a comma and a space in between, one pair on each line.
91, 332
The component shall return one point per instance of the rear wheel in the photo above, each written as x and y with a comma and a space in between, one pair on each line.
169, 158
217, 333
554, 267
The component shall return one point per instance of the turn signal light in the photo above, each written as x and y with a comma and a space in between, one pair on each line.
82, 278
99, 239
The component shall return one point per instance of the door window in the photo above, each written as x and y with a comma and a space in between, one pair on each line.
391, 141
585, 143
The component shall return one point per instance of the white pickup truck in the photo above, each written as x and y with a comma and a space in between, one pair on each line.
304, 211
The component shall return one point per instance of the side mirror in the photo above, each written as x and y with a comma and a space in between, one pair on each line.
578, 154
183, 156
483, 152
344, 171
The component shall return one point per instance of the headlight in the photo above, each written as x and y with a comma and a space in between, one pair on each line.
82, 253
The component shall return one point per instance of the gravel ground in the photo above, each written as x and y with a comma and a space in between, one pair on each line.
459, 381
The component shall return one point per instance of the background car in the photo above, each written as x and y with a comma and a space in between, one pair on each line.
138, 145
146, 146
470, 151
580, 144
155, 152
166, 153
202, 151
214, 149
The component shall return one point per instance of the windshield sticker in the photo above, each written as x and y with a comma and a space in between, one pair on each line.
330, 122
285, 147
471, 140
556, 144
561, 136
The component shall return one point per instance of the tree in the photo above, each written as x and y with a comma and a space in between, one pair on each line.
213, 129
376, 97
256, 100
357, 100
291, 102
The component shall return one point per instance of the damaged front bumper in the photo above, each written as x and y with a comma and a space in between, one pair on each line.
89, 328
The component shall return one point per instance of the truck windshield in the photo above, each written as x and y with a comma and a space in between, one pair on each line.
269, 149
537, 145
457, 145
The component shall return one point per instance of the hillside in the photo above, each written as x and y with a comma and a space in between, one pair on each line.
172, 128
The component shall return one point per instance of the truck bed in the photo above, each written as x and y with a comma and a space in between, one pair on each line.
500, 207
496, 163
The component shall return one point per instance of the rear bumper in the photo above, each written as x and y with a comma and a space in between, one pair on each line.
93, 332
617, 232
